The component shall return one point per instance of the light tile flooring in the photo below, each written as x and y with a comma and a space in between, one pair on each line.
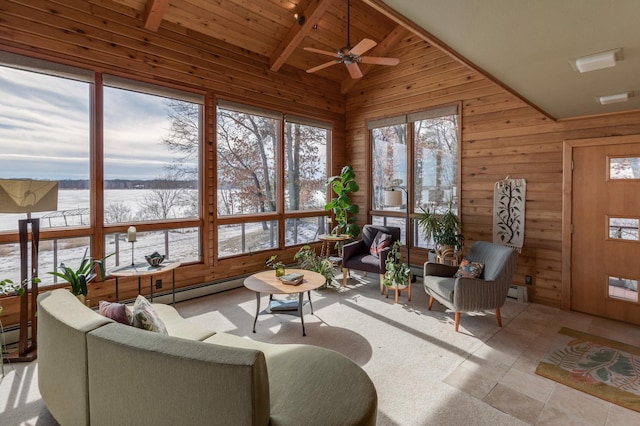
502, 371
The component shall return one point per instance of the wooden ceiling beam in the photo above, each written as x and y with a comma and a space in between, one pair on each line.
384, 48
153, 12
312, 13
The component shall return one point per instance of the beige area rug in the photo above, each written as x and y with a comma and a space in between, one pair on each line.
407, 350
601, 367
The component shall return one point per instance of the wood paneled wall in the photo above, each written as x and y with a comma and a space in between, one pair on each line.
501, 136
107, 37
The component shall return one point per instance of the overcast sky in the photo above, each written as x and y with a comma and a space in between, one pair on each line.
45, 130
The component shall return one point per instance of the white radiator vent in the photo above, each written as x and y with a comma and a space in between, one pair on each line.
518, 293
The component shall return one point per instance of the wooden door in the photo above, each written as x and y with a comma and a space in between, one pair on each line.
605, 254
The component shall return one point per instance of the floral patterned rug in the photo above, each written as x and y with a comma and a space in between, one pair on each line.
604, 368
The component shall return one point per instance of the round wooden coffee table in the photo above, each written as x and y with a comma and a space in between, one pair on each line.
266, 282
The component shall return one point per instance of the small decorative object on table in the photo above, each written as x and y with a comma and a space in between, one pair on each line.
293, 278
155, 258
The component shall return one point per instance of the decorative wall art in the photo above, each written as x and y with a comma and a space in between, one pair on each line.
509, 197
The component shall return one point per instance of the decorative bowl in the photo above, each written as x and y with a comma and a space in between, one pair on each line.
154, 259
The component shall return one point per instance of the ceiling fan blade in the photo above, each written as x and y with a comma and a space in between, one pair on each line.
354, 70
322, 52
362, 47
379, 60
323, 66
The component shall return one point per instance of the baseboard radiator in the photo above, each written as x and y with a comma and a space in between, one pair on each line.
519, 293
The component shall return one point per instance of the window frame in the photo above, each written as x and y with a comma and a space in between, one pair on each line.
411, 228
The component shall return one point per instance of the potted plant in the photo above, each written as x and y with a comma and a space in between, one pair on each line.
397, 274
79, 278
9, 288
444, 228
276, 266
341, 205
308, 259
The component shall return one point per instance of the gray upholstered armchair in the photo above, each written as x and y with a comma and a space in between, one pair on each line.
488, 291
356, 255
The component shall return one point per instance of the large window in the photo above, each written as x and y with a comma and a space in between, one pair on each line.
273, 166
417, 155
151, 155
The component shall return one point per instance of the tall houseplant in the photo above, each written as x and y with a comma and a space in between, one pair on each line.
444, 228
343, 208
81, 276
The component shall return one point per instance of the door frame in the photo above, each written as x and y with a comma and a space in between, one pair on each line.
568, 146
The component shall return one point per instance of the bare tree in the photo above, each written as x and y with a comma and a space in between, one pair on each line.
163, 201
117, 213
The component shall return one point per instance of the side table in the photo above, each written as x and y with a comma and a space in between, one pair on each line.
266, 282
327, 239
144, 269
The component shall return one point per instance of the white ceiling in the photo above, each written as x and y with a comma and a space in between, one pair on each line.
528, 46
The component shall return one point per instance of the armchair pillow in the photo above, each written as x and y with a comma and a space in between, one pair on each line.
380, 242
469, 269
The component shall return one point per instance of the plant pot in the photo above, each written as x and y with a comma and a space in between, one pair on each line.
82, 298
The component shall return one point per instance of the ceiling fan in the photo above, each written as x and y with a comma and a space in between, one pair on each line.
351, 56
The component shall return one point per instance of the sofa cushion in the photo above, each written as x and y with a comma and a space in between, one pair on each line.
469, 269
380, 242
178, 326
115, 311
145, 317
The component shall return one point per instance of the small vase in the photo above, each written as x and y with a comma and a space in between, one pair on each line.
280, 271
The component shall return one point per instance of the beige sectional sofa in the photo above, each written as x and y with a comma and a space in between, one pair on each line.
92, 370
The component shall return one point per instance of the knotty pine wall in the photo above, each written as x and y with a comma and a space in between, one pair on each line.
501, 136
106, 37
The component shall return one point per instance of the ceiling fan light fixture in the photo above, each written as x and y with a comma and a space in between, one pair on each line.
299, 17
613, 99
598, 61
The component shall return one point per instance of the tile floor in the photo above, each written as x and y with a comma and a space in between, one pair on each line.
502, 371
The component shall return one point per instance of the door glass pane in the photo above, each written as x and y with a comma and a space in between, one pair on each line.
623, 228
624, 168
623, 288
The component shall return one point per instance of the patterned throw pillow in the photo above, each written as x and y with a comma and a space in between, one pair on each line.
145, 317
380, 242
468, 269
116, 311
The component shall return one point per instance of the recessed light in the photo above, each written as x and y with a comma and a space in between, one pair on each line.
612, 99
597, 61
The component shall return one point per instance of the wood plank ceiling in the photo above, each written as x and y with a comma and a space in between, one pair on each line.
273, 28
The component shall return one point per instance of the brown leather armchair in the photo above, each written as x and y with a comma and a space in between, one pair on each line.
356, 255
